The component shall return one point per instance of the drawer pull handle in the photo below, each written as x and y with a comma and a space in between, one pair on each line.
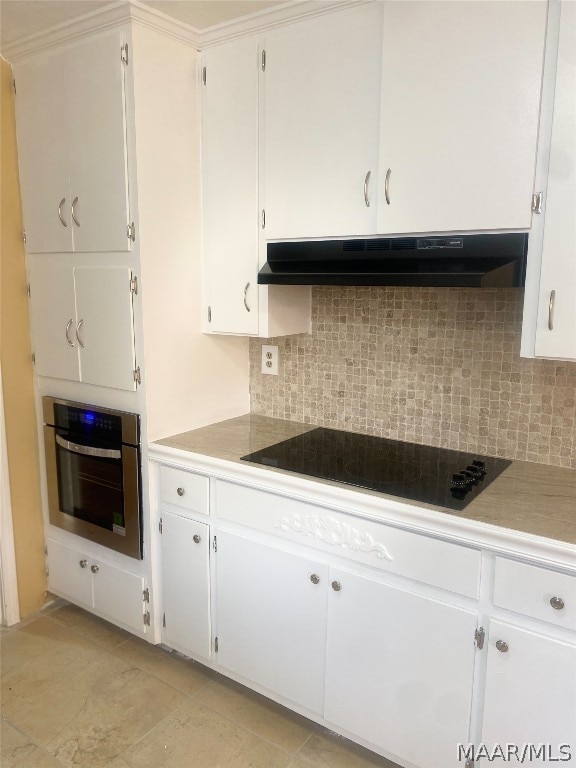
314, 578
557, 603
94, 568
83, 563
196, 539
336, 586
502, 646
180, 491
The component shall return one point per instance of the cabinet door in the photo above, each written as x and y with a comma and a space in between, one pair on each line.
106, 327
530, 693
43, 147
556, 330
186, 585
118, 595
53, 316
399, 669
69, 573
230, 185
460, 103
321, 119
98, 160
272, 618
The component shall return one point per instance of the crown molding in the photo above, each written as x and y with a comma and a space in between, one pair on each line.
117, 13
124, 11
270, 18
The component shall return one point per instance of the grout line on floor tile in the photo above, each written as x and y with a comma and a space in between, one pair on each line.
32, 740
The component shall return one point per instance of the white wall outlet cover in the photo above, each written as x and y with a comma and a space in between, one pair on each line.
270, 359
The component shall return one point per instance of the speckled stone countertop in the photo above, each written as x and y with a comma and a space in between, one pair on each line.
538, 499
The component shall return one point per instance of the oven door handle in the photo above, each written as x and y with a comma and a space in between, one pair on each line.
87, 450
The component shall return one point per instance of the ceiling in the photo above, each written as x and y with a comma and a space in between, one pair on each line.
20, 18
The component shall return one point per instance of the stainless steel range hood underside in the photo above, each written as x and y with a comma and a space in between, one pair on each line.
469, 261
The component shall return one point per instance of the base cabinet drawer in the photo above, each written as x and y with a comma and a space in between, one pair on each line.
537, 592
187, 490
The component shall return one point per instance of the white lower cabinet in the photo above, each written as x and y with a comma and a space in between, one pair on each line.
272, 610
530, 695
185, 547
369, 628
111, 592
399, 669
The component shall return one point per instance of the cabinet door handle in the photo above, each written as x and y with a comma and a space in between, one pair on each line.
196, 539
74, 204
60, 204
245, 293
551, 310
502, 646
557, 603
94, 568
78, 327
314, 578
366, 185
83, 563
180, 491
68, 339
387, 186
336, 586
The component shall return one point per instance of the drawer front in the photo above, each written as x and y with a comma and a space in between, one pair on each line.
536, 592
186, 490
432, 561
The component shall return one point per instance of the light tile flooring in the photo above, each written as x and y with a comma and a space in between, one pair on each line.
77, 691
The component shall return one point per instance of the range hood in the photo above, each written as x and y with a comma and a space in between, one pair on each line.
469, 261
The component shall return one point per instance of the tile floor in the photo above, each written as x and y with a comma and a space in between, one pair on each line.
77, 691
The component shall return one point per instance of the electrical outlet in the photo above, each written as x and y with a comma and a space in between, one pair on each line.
270, 359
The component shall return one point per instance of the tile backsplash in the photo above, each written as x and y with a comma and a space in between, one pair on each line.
439, 366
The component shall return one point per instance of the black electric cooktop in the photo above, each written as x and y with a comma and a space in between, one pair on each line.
419, 472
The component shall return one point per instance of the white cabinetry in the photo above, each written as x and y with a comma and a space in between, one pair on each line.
369, 626
72, 147
459, 114
185, 550
234, 303
111, 592
399, 669
531, 674
321, 116
82, 324
272, 618
556, 320
530, 693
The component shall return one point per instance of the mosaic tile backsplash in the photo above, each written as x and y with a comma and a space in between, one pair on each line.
439, 366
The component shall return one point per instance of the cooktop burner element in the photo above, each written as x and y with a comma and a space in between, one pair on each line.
419, 472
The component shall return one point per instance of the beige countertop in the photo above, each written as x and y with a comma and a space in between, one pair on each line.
537, 499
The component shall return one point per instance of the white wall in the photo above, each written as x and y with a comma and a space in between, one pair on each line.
191, 379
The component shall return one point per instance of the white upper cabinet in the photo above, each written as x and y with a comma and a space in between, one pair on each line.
234, 245
556, 320
43, 153
321, 112
72, 148
82, 324
230, 185
460, 102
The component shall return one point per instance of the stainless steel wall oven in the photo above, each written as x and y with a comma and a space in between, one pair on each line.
93, 473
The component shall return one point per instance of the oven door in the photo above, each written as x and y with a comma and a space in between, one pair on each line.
93, 491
